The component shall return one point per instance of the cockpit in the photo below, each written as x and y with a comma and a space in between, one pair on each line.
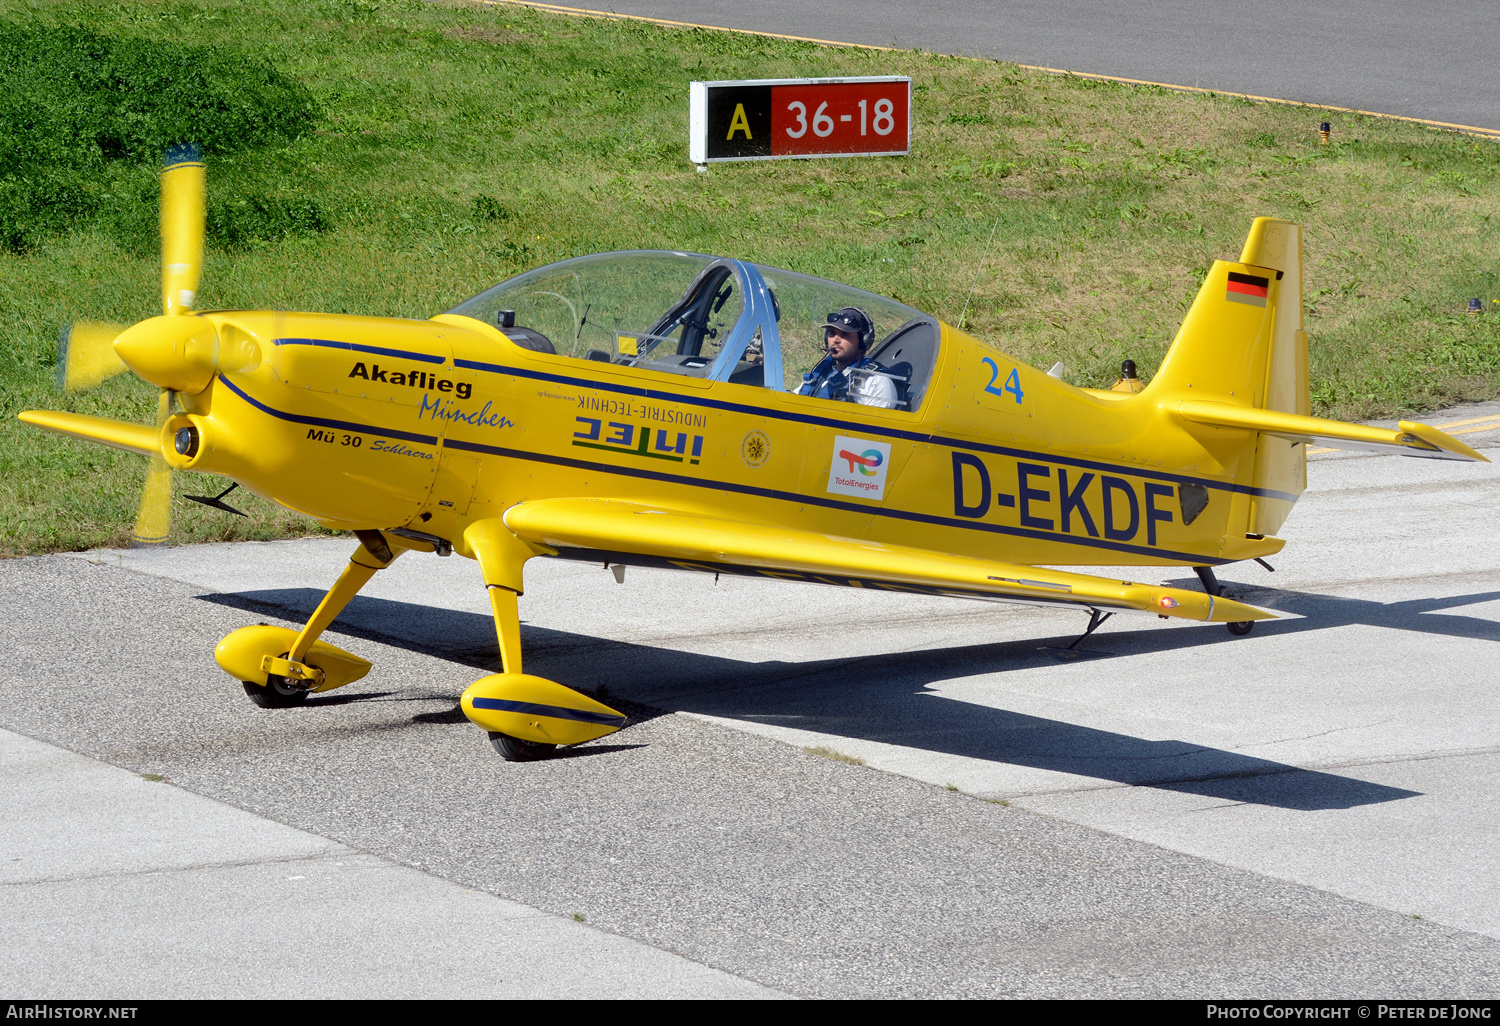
704, 317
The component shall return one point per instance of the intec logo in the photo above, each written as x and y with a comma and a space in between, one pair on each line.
868, 462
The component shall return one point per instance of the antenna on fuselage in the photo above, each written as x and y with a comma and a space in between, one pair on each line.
979, 270
217, 501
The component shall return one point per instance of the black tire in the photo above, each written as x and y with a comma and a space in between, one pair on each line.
277, 694
514, 749
1239, 628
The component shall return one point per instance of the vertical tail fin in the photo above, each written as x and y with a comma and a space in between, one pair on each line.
1242, 343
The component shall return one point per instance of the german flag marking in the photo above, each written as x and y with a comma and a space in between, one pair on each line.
1247, 288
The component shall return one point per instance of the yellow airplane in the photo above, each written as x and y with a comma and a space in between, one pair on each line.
642, 409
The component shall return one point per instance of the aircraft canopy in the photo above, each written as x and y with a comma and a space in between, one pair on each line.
683, 313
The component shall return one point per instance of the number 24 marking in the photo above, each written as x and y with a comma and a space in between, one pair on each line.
1012, 383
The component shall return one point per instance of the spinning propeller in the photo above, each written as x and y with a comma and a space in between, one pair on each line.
168, 351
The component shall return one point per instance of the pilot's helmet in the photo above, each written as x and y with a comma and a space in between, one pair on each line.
852, 318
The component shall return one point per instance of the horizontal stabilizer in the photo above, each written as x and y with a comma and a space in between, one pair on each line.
694, 541
1407, 438
142, 438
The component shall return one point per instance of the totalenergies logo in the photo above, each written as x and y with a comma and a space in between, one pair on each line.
867, 463
858, 467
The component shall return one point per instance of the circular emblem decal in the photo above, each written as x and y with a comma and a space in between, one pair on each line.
755, 449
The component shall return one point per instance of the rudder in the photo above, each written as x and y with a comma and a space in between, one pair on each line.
1243, 343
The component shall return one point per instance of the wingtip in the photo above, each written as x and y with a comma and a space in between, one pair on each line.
1229, 611
1441, 440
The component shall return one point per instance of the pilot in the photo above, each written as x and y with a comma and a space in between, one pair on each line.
847, 335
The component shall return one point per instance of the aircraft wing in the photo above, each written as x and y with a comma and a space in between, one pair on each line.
1408, 438
696, 541
140, 438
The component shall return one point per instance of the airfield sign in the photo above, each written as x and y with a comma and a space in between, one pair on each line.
772, 119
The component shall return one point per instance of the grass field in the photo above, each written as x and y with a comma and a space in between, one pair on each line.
451, 145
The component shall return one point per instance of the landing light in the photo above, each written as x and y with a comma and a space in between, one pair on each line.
186, 441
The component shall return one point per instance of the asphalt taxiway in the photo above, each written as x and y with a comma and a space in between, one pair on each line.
1432, 61
1306, 811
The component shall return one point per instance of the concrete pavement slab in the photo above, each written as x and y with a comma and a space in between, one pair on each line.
112, 885
68, 817
1432, 855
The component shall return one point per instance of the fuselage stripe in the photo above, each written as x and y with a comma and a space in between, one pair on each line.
729, 486
324, 343
873, 429
555, 711
342, 425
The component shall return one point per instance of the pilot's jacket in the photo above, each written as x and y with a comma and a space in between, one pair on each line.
828, 381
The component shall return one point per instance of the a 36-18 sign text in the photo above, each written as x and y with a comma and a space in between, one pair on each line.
769, 119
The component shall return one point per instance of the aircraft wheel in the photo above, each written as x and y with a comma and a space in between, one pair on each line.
1240, 628
514, 749
277, 694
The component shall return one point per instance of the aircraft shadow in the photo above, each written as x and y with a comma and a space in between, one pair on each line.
1319, 612
882, 698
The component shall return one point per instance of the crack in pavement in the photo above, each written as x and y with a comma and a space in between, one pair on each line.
1272, 770
197, 867
1309, 737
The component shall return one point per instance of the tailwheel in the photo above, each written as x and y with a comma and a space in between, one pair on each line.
515, 749
1211, 586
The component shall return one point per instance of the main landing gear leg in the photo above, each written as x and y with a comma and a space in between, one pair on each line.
526, 717
1212, 586
280, 667
372, 555
507, 626
508, 629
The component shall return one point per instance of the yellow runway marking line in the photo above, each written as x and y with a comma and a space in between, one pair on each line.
1477, 430
585, 12
1493, 419
1480, 426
